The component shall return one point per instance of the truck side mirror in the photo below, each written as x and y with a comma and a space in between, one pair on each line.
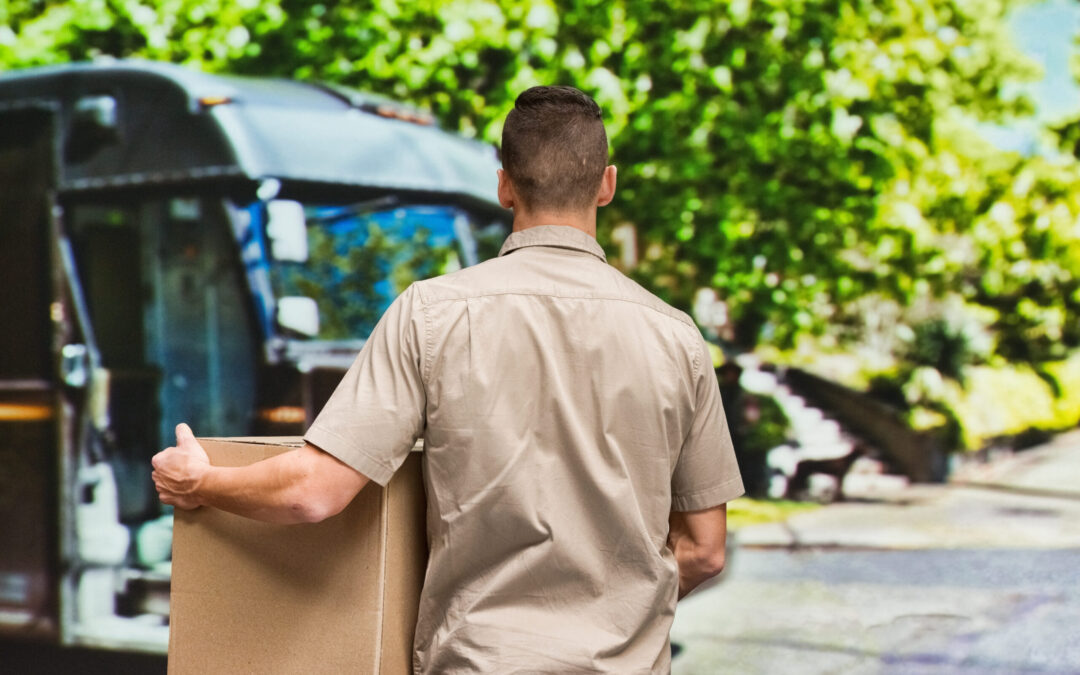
286, 227
298, 314
94, 124
75, 365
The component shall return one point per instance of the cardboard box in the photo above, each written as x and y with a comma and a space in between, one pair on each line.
339, 596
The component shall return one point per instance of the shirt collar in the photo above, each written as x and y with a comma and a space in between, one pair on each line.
560, 236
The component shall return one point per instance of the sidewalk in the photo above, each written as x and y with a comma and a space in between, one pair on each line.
1052, 469
1028, 500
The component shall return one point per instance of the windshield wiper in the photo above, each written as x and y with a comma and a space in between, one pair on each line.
358, 209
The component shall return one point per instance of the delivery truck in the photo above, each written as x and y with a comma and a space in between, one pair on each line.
178, 246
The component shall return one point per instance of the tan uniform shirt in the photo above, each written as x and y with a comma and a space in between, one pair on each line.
565, 412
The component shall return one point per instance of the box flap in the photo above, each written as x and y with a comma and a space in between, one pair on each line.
286, 441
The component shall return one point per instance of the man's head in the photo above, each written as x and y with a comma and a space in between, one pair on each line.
555, 152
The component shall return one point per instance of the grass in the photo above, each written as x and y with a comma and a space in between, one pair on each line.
746, 511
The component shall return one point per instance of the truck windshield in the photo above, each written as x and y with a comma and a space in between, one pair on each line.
353, 260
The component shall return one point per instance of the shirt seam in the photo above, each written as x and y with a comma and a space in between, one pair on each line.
425, 353
554, 235
697, 357
711, 488
425, 369
567, 297
387, 468
601, 258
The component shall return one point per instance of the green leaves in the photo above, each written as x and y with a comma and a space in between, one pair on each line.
209, 35
796, 156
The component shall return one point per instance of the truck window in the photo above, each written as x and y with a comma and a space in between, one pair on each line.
358, 260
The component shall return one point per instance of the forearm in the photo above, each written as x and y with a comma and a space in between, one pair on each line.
696, 564
305, 485
698, 539
276, 490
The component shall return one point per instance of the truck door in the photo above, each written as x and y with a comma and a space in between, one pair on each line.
163, 287
28, 392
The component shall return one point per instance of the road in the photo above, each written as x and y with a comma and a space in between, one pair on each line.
978, 576
845, 611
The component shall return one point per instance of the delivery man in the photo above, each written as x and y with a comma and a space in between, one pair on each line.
576, 457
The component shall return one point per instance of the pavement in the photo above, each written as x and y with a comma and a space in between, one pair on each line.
979, 575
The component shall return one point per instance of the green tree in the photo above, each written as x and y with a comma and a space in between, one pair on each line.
796, 156
209, 34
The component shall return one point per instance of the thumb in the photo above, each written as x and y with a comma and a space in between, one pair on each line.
184, 434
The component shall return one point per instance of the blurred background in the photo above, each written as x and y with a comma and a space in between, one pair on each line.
870, 208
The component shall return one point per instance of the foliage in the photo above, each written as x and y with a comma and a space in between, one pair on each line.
1009, 400
210, 34
1065, 384
768, 427
936, 344
992, 401
756, 423
997, 234
797, 156
744, 511
820, 118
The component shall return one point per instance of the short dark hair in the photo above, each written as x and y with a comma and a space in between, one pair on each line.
554, 149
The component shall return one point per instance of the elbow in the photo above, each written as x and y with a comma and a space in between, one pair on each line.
710, 563
715, 563
312, 506
310, 511
697, 569
306, 496
309, 503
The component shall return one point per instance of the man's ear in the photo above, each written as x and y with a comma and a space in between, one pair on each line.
506, 190
607, 186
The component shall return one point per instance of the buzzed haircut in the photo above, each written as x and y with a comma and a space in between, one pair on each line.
554, 149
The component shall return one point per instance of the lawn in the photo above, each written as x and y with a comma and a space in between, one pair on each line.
746, 511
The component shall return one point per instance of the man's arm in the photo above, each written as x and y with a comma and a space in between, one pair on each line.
698, 539
305, 485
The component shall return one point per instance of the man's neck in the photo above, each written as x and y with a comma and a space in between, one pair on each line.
581, 220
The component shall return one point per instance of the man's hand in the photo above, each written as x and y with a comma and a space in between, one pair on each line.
178, 470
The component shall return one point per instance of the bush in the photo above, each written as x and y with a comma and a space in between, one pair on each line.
942, 346
758, 425
1009, 400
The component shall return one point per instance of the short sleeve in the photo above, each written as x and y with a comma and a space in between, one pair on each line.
706, 474
377, 412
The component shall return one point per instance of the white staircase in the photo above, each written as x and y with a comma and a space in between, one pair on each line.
814, 436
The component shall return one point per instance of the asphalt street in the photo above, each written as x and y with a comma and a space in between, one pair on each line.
978, 576
858, 611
